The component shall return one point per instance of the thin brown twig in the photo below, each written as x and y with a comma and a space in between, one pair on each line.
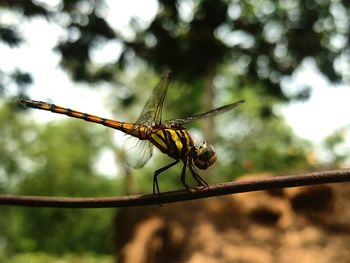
239, 186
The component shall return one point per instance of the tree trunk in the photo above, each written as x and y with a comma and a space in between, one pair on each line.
208, 98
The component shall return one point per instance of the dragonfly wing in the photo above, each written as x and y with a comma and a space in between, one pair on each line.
152, 111
137, 152
208, 114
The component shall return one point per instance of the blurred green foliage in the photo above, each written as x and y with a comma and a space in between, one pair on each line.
53, 159
335, 148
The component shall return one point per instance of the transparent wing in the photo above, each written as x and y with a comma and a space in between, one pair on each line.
211, 113
152, 111
137, 152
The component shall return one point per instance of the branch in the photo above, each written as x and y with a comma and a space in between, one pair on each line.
240, 186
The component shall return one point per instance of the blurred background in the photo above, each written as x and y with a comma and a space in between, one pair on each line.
288, 59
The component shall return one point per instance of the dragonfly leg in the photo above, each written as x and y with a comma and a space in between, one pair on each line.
183, 174
157, 172
200, 181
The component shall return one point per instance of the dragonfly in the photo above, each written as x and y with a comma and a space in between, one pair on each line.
170, 137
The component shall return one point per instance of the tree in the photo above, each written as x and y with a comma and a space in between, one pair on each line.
262, 41
11, 37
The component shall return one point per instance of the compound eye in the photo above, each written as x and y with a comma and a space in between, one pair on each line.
205, 157
203, 145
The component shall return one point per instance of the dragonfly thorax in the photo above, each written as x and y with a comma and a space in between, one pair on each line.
205, 156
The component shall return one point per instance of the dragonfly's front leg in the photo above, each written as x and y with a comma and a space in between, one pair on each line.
183, 176
157, 172
200, 181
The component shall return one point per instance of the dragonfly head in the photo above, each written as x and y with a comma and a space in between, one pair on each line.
205, 156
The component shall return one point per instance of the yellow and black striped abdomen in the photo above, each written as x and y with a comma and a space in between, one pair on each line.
174, 142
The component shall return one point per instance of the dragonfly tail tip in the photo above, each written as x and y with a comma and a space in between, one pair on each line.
24, 102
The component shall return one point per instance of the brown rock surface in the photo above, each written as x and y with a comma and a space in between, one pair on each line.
304, 224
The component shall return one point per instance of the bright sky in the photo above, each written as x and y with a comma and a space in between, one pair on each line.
314, 119
324, 112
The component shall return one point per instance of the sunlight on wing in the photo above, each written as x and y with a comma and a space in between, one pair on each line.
207, 114
137, 152
152, 111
